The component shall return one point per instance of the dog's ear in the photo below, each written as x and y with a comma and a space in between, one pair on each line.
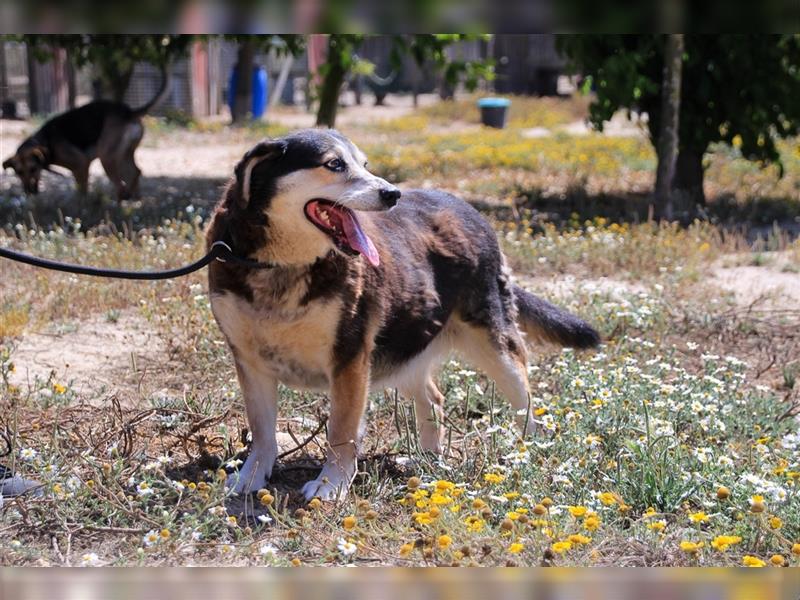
266, 150
8, 163
38, 155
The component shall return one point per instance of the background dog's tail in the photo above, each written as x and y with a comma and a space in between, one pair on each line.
544, 322
160, 95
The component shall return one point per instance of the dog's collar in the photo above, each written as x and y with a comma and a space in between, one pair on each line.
225, 254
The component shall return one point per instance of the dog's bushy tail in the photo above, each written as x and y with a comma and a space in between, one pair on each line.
544, 322
160, 95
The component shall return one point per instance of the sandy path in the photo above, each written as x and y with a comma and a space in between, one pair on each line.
97, 354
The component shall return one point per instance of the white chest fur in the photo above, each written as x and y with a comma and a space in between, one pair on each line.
293, 343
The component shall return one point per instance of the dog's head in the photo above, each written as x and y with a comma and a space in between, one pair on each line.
307, 189
28, 163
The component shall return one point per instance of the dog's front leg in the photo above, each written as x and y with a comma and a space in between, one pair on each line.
260, 391
348, 400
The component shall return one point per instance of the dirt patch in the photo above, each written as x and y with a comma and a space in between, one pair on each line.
91, 355
770, 284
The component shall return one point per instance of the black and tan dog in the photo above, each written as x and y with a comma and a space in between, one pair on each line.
110, 131
368, 292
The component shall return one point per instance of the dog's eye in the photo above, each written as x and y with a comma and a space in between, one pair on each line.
335, 164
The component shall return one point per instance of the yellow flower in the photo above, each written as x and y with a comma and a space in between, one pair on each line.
796, 549
516, 548
691, 547
493, 478
423, 518
777, 560
438, 498
699, 517
607, 498
165, 533
349, 522
737, 143
474, 524
561, 547
315, 504
444, 541
723, 493
406, 549
657, 525
591, 523
577, 538
58, 388
478, 504
649, 513
752, 561
577, 511
757, 504
775, 523
513, 515
723, 542
511, 495
444, 486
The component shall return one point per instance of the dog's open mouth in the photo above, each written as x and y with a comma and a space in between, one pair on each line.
342, 226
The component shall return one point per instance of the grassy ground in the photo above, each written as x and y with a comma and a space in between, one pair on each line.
673, 444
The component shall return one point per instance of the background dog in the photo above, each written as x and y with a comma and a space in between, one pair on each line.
110, 131
366, 292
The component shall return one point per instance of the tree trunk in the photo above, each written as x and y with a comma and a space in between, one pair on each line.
117, 79
331, 86
71, 83
668, 127
688, 182
243, 94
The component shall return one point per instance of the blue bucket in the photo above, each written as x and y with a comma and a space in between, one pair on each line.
494, 111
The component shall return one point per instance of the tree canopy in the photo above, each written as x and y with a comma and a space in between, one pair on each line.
738, 89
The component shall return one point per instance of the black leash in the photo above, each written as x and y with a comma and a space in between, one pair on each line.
219, 251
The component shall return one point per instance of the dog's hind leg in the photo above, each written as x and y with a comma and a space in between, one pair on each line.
428, 405
260, 392
111, 166
128, 169
503, 358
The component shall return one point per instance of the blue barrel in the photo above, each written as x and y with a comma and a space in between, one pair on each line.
260, 91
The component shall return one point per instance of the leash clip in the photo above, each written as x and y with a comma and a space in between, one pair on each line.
222, 244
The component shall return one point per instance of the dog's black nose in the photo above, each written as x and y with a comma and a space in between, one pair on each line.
389, 196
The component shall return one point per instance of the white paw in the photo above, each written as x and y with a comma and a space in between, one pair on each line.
325, 490
528, 426
331, 484
252, 476
430, 440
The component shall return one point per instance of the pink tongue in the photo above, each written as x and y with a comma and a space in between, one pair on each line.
358, 240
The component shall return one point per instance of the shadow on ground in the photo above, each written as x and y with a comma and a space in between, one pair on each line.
756, 219
289, 477
160, 198
180, 197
